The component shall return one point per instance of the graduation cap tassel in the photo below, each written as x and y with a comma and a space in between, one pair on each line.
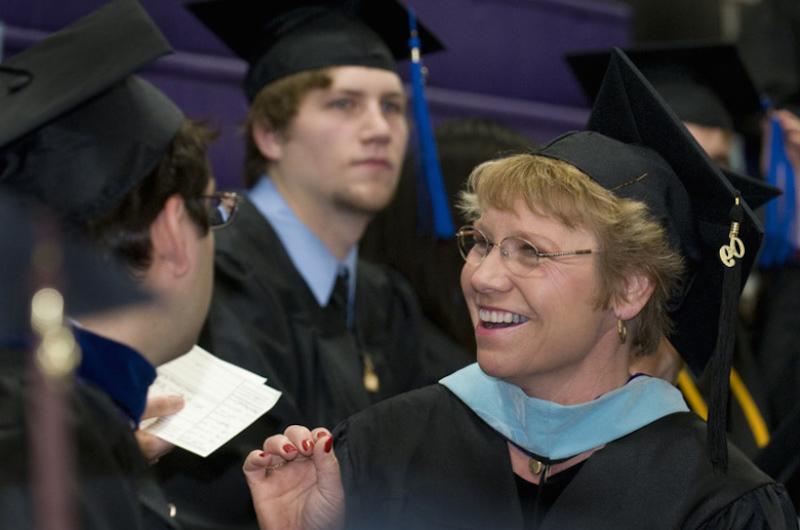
431, 172
720, 362
779, 223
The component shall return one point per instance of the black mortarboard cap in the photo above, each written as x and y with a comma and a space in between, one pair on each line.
284, 37
769, 42
88, 282
638, 148
706, 84
76, 129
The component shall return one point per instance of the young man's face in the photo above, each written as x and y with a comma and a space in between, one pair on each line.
344, 149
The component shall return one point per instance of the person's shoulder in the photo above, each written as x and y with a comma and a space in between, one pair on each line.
678, 442
249, 235
247, 252
765, 507
683, 437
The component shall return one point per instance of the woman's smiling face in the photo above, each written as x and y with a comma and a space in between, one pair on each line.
544, 330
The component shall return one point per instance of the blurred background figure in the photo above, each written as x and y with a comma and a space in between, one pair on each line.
58, 471
401, 237
770, 44
115, 160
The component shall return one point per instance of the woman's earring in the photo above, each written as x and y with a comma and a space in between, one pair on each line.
622, 331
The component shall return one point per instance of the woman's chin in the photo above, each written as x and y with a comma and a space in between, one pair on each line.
492, 364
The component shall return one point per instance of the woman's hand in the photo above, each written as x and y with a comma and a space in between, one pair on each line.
151, 446
295, 481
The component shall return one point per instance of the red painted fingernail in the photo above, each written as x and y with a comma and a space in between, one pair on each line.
289, 448
308, 445
329, 444
262, 454
322, 435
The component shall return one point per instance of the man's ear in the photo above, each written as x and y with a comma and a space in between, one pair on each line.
170, 237
636, 292
268, 141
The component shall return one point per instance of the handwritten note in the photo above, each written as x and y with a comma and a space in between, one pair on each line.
221, 399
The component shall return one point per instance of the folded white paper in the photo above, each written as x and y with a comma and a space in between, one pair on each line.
221, 399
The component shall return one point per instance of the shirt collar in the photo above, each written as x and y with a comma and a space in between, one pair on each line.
555, 431
310, 256
120, 371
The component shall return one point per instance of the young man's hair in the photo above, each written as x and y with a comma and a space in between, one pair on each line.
183, 170
274, 108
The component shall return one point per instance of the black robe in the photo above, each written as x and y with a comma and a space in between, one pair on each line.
425, 460
115, 490
264, 318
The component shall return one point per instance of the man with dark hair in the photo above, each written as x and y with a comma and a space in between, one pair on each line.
326, 135
116, 160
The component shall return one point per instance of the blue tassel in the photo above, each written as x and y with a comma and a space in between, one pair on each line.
431, 172
779, 245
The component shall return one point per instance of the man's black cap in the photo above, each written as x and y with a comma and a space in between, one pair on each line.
76, 129
769, 42
284, 37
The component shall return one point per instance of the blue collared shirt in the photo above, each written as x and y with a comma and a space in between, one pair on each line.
315, 263
120, 371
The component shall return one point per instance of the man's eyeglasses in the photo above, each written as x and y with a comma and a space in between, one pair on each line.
520, 256
220, 208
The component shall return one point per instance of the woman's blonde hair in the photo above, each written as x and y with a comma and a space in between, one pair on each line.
630, 239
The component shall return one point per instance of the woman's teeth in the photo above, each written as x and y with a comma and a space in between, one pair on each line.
494, 319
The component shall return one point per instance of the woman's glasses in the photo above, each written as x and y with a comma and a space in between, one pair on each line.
520, 256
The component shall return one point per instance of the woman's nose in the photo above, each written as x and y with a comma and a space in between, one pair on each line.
491, 272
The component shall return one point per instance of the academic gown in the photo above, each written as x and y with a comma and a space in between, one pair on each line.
264, 318
424, 460
115, 490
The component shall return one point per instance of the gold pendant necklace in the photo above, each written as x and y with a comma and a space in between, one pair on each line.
539, 469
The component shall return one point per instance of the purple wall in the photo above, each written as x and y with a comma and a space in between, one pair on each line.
503, 61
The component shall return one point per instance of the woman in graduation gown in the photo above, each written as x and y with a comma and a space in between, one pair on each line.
581, 255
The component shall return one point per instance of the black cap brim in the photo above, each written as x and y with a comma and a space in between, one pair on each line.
77, 130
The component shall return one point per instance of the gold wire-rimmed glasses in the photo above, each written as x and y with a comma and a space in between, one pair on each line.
520, 256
